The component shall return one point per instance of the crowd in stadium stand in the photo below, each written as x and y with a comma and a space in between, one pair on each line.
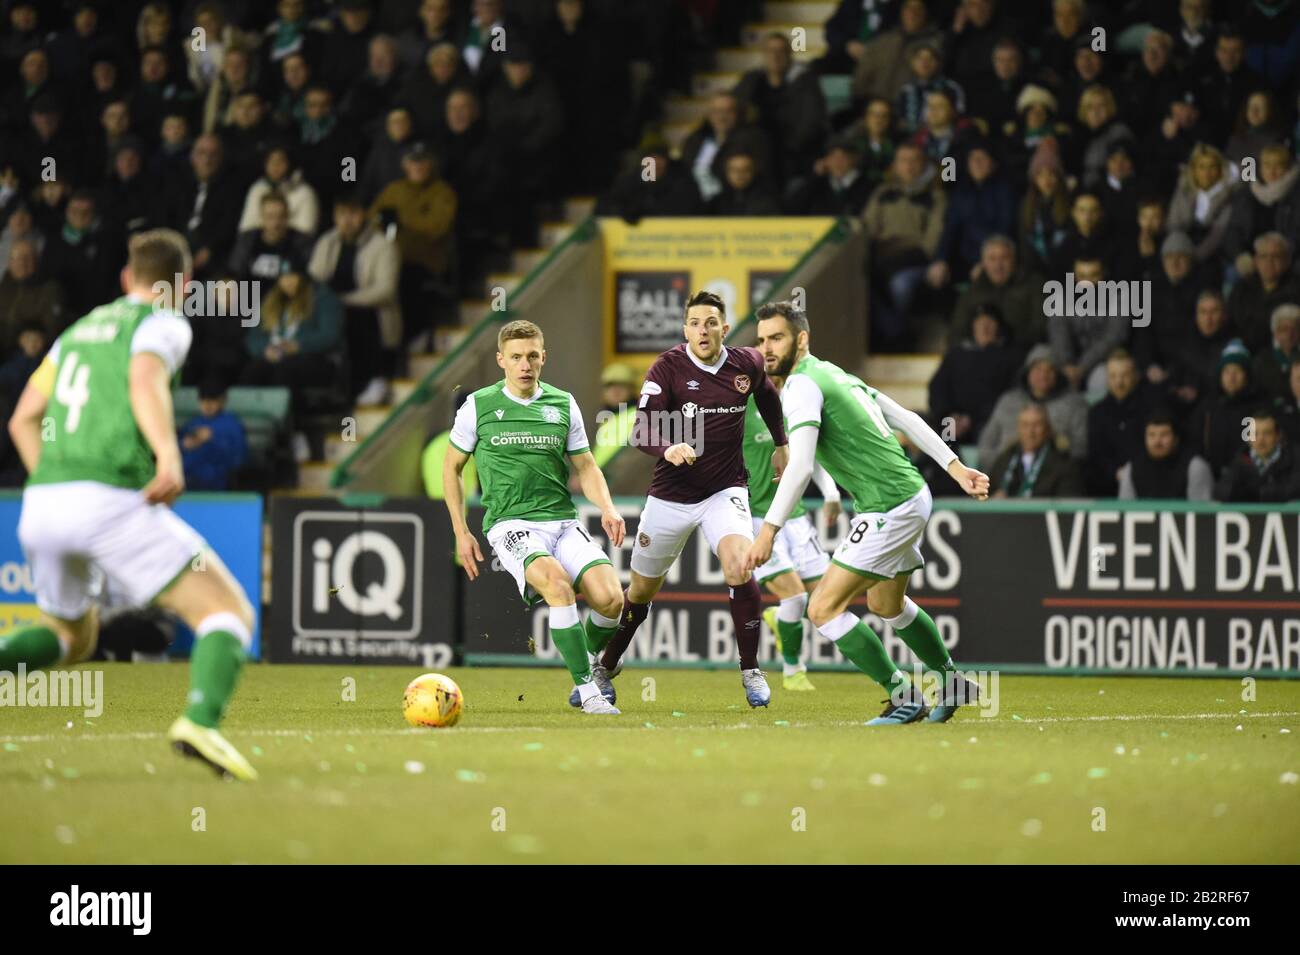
367, 161
991, 147
988, 147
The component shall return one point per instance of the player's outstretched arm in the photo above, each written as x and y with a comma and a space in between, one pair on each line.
453, 493
25, 423
151, 403
803, 449
596, 490
973, 482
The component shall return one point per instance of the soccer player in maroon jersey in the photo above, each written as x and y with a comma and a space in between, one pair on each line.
697, 392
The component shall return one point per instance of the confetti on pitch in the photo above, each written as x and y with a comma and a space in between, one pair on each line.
257, 750
532, 747
678, 713
470, 776
1289, 779
1031, 828
782, 722
877, 779
13, 747
65, 835
1282, 730
648, 726
413, 766
1041, 778
1017, 717
697, 753
1098, 772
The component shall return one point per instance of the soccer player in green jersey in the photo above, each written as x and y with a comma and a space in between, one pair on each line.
95, 431
797, 560
523, 435
834, 419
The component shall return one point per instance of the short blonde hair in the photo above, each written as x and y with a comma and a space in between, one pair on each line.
1096, 91
519, 328
158, 255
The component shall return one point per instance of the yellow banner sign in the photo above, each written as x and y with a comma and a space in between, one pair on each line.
652, 268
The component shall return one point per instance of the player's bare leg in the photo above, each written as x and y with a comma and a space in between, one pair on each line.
604, 596
889, 601
828, 610
547, 576
210, 601
746, 603
786, 623
49, 642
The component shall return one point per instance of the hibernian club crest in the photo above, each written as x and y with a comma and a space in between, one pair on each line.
551, 414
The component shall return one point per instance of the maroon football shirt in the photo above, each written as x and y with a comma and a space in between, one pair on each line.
704, 406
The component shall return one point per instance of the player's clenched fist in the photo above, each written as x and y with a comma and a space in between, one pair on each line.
468, 552
680, 454
975, 483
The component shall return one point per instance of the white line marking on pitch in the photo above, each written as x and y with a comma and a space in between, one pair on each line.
109, 737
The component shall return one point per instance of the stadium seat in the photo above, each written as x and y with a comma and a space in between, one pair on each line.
838, 91
264, 413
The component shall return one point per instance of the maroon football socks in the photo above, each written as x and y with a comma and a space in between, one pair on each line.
746, 602
633, 616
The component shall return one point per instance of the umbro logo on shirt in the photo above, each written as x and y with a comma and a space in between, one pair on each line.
692, 386
500, 414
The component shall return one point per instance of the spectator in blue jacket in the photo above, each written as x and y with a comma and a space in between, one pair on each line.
213, 443
982, 205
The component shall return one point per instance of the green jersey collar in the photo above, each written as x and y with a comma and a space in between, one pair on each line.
799, 365
521, 401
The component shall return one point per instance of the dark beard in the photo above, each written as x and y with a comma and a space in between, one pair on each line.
784, 365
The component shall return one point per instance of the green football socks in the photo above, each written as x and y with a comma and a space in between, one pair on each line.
35, 647
599, 630
922, 636
214, 668
571, 640
861, 647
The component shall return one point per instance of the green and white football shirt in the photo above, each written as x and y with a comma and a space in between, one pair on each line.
856, 444
758, 462
520, 447
94, 435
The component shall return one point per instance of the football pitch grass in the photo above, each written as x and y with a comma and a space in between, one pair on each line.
1179, 771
